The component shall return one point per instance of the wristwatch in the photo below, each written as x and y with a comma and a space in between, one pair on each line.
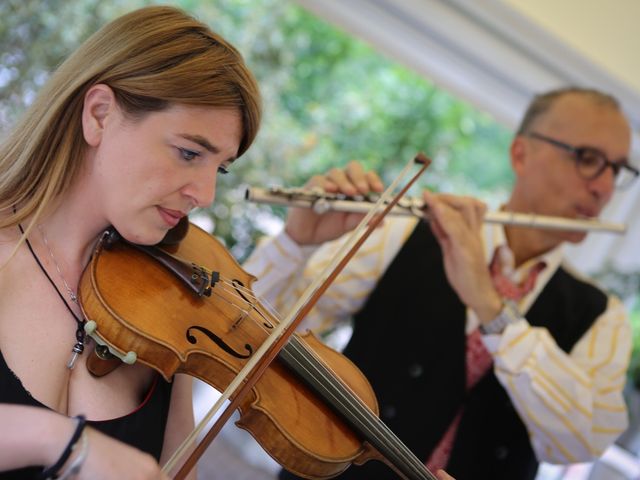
508, 315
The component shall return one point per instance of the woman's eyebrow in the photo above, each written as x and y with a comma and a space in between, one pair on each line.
200, 140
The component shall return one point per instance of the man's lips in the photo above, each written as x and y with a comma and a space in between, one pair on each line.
586, 212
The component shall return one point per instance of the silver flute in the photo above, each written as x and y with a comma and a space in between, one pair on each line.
321, 202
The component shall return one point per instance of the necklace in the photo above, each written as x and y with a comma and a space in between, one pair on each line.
72, 294
78, 348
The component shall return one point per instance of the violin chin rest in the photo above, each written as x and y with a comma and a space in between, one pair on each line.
102, 362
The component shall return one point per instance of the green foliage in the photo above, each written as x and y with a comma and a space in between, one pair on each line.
35, 37
328, 98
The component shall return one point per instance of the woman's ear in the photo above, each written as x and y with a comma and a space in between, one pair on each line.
99, 103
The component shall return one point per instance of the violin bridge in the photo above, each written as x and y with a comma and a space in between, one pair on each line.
240, 319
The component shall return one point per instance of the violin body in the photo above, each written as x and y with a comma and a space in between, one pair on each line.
140, 306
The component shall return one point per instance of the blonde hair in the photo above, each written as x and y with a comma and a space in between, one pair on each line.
151, 58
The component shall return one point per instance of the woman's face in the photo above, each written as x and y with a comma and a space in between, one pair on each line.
146, 174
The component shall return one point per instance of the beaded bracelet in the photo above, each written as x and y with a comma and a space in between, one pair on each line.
52, 471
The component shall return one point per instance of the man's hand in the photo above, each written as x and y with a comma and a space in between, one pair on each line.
442, 475
457, 225
306, 227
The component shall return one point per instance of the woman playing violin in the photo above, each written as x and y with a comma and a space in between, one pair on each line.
131, 131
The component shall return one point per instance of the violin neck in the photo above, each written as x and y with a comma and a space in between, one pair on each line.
352, 410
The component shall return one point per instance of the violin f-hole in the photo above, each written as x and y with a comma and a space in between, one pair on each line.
218, 341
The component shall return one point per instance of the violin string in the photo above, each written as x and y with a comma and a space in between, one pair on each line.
371, 426
247, 297
244, 297
247, 294
367, 420
308, 360
378, 432
315, 367
367, 423
354, 405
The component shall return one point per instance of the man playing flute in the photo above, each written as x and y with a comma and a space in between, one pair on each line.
487, 353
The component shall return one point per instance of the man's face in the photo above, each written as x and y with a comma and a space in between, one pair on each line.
548, 182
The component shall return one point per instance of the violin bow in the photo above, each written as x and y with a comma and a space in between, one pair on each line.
267, 352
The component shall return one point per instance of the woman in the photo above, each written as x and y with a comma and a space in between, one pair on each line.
130, 131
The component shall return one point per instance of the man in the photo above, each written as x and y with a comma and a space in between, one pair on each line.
541, 379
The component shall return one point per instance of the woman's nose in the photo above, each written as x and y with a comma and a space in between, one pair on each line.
202, 189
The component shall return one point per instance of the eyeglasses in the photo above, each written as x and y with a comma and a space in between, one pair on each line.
591, 162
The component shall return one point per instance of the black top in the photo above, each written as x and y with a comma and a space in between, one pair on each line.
409, 340
143, 428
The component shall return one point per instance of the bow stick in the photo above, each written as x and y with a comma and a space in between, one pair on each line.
264, 355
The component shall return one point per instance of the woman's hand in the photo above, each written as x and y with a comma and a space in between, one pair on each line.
108, 458
37, 436
306, 227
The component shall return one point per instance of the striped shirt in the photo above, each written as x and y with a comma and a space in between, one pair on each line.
572, 404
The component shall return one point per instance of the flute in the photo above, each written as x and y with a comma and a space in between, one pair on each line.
321, 202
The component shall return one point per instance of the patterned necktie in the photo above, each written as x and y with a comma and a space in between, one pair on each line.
509, 284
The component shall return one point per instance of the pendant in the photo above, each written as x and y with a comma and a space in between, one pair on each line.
78, 348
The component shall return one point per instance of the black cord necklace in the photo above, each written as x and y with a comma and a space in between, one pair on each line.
78, 348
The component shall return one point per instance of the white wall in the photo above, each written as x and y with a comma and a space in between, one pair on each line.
605, 31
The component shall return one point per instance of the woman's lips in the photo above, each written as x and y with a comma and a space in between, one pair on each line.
170, 217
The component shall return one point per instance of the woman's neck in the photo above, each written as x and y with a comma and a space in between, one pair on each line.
69, 234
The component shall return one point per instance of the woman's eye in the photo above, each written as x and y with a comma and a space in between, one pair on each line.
187, 154
222, 170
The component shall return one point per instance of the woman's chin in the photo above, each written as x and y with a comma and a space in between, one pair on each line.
143, 237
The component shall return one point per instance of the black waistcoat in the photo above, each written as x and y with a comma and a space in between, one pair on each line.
409, 340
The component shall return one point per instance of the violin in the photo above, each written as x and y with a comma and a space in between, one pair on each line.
313, 410
188, 308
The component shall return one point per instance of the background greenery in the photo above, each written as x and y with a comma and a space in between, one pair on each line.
328, 98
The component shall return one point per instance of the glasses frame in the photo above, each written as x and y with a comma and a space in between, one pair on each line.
578, 152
